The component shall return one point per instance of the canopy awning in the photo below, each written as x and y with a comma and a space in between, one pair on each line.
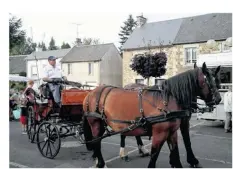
216, 59
17, 78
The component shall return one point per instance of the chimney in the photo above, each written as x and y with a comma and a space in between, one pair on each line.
38, 49
78, 42
141, 20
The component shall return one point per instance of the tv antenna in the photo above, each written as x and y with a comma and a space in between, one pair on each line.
77, 24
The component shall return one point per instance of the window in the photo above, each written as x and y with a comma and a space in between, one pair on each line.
90, 68
69, 68
34, 71
139, 81
190, 55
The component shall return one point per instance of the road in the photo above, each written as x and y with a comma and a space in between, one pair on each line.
210, 144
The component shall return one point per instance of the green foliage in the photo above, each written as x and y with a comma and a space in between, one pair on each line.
52, 45
43, 46
16, 34
127, 29
65, 45
149, 65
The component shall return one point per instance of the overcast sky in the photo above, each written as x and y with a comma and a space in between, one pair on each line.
104, 26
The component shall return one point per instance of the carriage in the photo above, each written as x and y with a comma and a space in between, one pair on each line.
45, 126
87, 114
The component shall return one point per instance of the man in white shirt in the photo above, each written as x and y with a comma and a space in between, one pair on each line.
52, 70
228, 109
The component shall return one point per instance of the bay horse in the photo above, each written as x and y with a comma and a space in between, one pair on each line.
184, 127
146, 113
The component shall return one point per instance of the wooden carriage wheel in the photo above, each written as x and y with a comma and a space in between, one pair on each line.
31, 123
48, 140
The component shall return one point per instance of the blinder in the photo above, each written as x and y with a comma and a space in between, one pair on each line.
210, 87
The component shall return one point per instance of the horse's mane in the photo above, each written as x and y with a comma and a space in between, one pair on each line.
182, 87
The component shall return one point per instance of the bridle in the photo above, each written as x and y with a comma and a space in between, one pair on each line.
211, 89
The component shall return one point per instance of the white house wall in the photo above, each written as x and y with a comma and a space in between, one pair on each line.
111, 68
40, 64
79, 72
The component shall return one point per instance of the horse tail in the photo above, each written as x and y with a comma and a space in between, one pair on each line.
87, 133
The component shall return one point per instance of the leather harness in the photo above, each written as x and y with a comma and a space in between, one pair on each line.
142, 121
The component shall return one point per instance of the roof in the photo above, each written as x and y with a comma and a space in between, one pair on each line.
152, 33
87, 53
217, 26
17, 64
45, 54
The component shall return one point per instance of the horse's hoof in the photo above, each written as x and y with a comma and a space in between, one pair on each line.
144, 154
198, 165
125, 158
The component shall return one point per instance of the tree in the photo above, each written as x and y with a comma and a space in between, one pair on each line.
52, 45
126, 30
65, 45
29, 47
16, 35
149, 65
43, 46
24, 49
91, 41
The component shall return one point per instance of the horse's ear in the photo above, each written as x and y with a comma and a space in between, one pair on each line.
195, 65
204, 68
217, 70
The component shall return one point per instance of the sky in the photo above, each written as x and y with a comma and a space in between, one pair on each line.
63, 26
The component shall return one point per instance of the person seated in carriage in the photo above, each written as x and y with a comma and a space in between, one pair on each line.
51, 71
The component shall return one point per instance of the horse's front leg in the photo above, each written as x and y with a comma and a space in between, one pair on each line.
174, 155
123, 153
157, 143
184, 128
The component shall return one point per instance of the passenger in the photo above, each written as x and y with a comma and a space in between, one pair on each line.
228, 109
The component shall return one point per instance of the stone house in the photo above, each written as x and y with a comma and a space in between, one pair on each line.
184, 40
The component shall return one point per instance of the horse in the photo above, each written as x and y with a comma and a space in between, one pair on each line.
148, 112
141, 149
184, 127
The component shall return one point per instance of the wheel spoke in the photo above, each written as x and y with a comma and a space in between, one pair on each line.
47, 149
44, 145
50, 149
41, 142
54, 146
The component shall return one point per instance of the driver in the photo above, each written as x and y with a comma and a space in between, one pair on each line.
52, 70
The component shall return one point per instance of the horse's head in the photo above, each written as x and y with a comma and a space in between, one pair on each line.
209, 83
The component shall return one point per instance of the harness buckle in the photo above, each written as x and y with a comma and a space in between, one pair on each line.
132, 121
165, 113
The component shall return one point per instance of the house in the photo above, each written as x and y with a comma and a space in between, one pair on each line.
37, 60
17, 64
184, 41
93, 65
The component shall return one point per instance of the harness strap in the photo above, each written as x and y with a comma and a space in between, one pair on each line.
99, 96
140, 102
110, 89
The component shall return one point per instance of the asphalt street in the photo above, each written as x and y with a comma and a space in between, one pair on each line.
210, 144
